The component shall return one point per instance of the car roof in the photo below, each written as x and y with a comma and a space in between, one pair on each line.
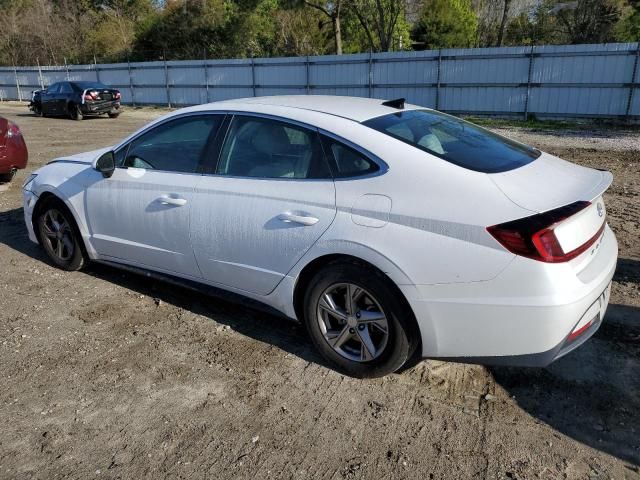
353, 108
88, 84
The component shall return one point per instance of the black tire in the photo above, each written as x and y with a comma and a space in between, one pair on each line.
37, 111
74, 112
114, 114
402, 335
7, 177
72, 256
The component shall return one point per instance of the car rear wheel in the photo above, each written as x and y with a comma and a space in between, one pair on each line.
37, 111
357, 321
74, 112
60, 237
114, 114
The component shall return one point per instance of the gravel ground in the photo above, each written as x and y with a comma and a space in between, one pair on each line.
109, 375
608, 139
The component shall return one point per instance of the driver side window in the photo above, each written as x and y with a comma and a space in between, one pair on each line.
175, 146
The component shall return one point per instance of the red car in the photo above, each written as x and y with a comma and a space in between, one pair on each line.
13, 150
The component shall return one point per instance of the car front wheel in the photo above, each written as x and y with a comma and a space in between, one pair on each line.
358, 322
59, 236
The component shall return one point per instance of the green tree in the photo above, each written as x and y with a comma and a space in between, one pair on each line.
628, 29
589, 21
116, 25
446, 24
383, 23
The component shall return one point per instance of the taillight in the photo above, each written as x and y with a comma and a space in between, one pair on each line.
534, 237
13, 131
117, 95
90, 96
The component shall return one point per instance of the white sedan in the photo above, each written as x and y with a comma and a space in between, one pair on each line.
389, 230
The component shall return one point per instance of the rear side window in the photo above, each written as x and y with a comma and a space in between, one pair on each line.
265, 148
65, 88
454, 140
346, 161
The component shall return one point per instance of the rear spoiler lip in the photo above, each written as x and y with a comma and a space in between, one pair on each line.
598, 188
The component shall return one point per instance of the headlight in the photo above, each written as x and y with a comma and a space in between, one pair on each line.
29, 180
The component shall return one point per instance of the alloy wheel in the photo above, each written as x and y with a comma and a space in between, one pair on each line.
352, 322
58, 235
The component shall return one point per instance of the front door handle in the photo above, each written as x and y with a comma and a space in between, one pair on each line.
305, 220
175, 201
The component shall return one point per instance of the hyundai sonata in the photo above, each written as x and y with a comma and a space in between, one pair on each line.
388, 229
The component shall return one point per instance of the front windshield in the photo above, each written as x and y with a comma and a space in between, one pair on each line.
455, 140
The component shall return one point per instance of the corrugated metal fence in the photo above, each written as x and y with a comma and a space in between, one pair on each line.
545, 81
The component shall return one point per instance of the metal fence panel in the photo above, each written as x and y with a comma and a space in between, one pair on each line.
552, 80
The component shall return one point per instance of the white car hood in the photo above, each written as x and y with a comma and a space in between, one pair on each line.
550, 182
86, 157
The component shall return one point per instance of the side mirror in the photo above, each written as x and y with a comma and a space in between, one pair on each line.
105, 164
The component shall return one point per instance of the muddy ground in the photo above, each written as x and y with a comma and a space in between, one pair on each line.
106, 374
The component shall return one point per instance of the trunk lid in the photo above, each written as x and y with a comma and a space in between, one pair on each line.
102, 94
550, 182
554, 186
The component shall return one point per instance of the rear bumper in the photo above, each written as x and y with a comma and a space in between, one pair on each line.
522, 317
99, 107
15, 155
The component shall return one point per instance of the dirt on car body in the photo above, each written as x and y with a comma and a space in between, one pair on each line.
106, 374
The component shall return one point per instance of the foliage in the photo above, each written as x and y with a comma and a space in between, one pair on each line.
446, 24
591, 21
77, 31
628, 29
382, 24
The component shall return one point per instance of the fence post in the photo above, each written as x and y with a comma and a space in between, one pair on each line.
40, 74
438, 79
253, 75
66, 67
95, 66
307, 80
370, 73
529, 74
632, 87
166, 80
15, 72
133, 98
206, 74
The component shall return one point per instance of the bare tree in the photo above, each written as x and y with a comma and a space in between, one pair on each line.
378, 19
332, 10
503, 22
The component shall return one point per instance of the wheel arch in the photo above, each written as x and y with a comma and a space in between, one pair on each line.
48, 195
317, 264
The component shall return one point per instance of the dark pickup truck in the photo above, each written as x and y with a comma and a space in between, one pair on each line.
76, 100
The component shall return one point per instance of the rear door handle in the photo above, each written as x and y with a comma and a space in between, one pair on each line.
176, 201
301, 219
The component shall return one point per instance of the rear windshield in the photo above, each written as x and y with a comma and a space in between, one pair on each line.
455, 140
88, 85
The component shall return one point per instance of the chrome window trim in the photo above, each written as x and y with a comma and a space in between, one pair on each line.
383, 167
